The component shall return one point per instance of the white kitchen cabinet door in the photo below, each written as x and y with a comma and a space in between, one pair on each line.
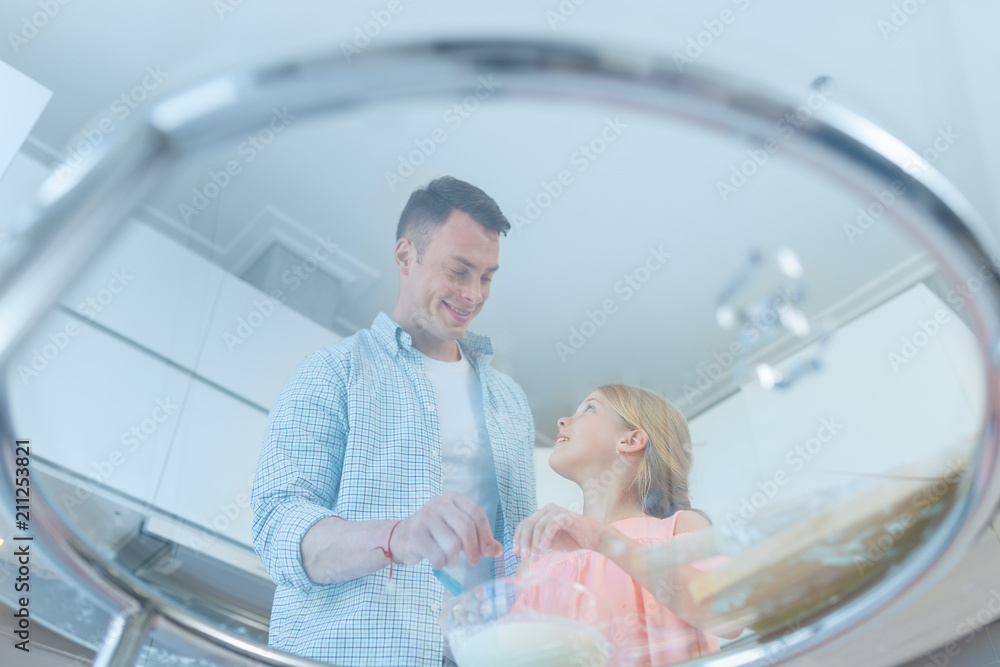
150, 290
208, 476
95, 405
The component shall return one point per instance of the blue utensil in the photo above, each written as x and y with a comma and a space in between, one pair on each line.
450, 583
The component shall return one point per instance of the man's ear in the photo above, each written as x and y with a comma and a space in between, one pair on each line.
405, 256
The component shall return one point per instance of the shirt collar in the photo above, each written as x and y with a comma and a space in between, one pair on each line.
477, 347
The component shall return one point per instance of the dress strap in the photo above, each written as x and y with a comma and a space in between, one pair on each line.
673, 522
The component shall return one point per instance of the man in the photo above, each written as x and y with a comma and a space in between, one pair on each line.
395, 451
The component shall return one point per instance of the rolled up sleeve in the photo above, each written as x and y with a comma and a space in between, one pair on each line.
300, 464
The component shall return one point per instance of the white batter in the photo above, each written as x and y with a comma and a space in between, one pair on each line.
541, 642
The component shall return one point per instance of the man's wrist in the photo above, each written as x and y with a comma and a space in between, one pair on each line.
393, 555
386, 545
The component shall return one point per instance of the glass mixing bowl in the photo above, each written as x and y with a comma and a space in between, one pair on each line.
530, 620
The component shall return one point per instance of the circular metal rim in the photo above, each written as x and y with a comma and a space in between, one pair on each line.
72, 219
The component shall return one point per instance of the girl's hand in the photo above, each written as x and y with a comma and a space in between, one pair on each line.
556, 528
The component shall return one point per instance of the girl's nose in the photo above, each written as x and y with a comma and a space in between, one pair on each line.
563, 422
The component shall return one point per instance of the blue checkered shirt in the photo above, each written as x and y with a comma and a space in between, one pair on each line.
354, 433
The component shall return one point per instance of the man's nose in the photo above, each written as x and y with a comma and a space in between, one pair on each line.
473, 294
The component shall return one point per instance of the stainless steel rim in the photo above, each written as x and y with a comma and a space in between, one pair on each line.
71, 220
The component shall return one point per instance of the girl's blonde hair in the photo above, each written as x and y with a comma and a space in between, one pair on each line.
661, 481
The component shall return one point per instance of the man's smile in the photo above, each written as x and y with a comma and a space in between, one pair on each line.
460, 315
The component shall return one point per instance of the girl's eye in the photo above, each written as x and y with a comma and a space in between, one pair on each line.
589, 407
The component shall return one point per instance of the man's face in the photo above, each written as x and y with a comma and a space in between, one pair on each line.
450, 283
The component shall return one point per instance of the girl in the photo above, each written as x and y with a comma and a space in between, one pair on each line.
629, 451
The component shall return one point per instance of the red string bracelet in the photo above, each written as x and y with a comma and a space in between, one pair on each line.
387, 551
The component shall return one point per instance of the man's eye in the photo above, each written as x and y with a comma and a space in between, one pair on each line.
458, 273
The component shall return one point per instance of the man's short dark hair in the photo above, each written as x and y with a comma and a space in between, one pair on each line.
430, 206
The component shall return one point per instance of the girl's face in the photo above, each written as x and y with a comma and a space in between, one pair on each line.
587, 441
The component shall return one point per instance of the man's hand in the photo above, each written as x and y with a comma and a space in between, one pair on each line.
441, 530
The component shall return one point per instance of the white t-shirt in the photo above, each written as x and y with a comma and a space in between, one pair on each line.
466, 454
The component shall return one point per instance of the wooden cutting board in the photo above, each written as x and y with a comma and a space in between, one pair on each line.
824, 557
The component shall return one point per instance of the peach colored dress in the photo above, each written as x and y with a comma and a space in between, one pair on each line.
646, 632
